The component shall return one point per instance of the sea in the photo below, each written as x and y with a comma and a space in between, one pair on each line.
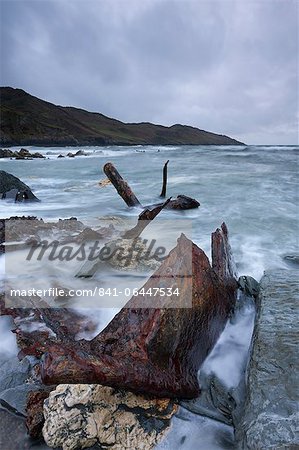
253, 189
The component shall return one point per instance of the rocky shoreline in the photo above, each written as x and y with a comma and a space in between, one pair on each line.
27, 393
78, 416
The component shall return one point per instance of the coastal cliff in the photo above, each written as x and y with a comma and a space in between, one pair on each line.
28, 120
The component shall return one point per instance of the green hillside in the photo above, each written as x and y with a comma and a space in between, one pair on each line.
27, 120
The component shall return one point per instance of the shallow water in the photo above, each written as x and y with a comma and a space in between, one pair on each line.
253, 189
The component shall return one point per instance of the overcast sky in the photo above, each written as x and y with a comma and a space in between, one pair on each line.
229, 67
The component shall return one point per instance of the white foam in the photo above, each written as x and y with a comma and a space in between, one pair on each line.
8, 343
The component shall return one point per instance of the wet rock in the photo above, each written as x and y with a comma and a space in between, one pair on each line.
21, 154
24, 152
79, 416
7, 153
15, 399
37, 155
270, 415
12, 432
18, 229
157, 344
249, 285
17, 379
13, 187
183, 202
13, 373
71, 155
80, 153
60, 156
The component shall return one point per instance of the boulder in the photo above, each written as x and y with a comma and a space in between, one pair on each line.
80, 153
249, 285
7, 153
37, 155
270, 416
24, 152
21, 154
13, 432
79, 416
156, 345
12, 187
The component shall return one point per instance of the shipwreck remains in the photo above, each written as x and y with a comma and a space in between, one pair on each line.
123, 189
156, 349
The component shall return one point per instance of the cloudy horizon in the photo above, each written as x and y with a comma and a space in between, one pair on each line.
229, 67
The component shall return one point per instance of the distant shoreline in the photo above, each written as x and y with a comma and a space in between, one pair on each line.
28, 120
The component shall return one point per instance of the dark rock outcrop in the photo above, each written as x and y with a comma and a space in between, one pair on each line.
157, 344
21, 154
13, 188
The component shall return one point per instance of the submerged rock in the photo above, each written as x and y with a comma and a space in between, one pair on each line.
12, 187
79, 416
271, 415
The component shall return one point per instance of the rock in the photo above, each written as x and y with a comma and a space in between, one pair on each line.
80, 153
71, 155
6, 153
13, 186
60, 156
270, 415
79, 416
19, 229
157, 344
21, 154
13, 373
17, 379
37, 155
24, 152
15, 399
249, 286
183, 202
13, 432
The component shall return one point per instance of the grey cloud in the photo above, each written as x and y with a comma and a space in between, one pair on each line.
229, 66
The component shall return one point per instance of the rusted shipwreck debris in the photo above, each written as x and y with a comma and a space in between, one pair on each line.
156, 350
126, 193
